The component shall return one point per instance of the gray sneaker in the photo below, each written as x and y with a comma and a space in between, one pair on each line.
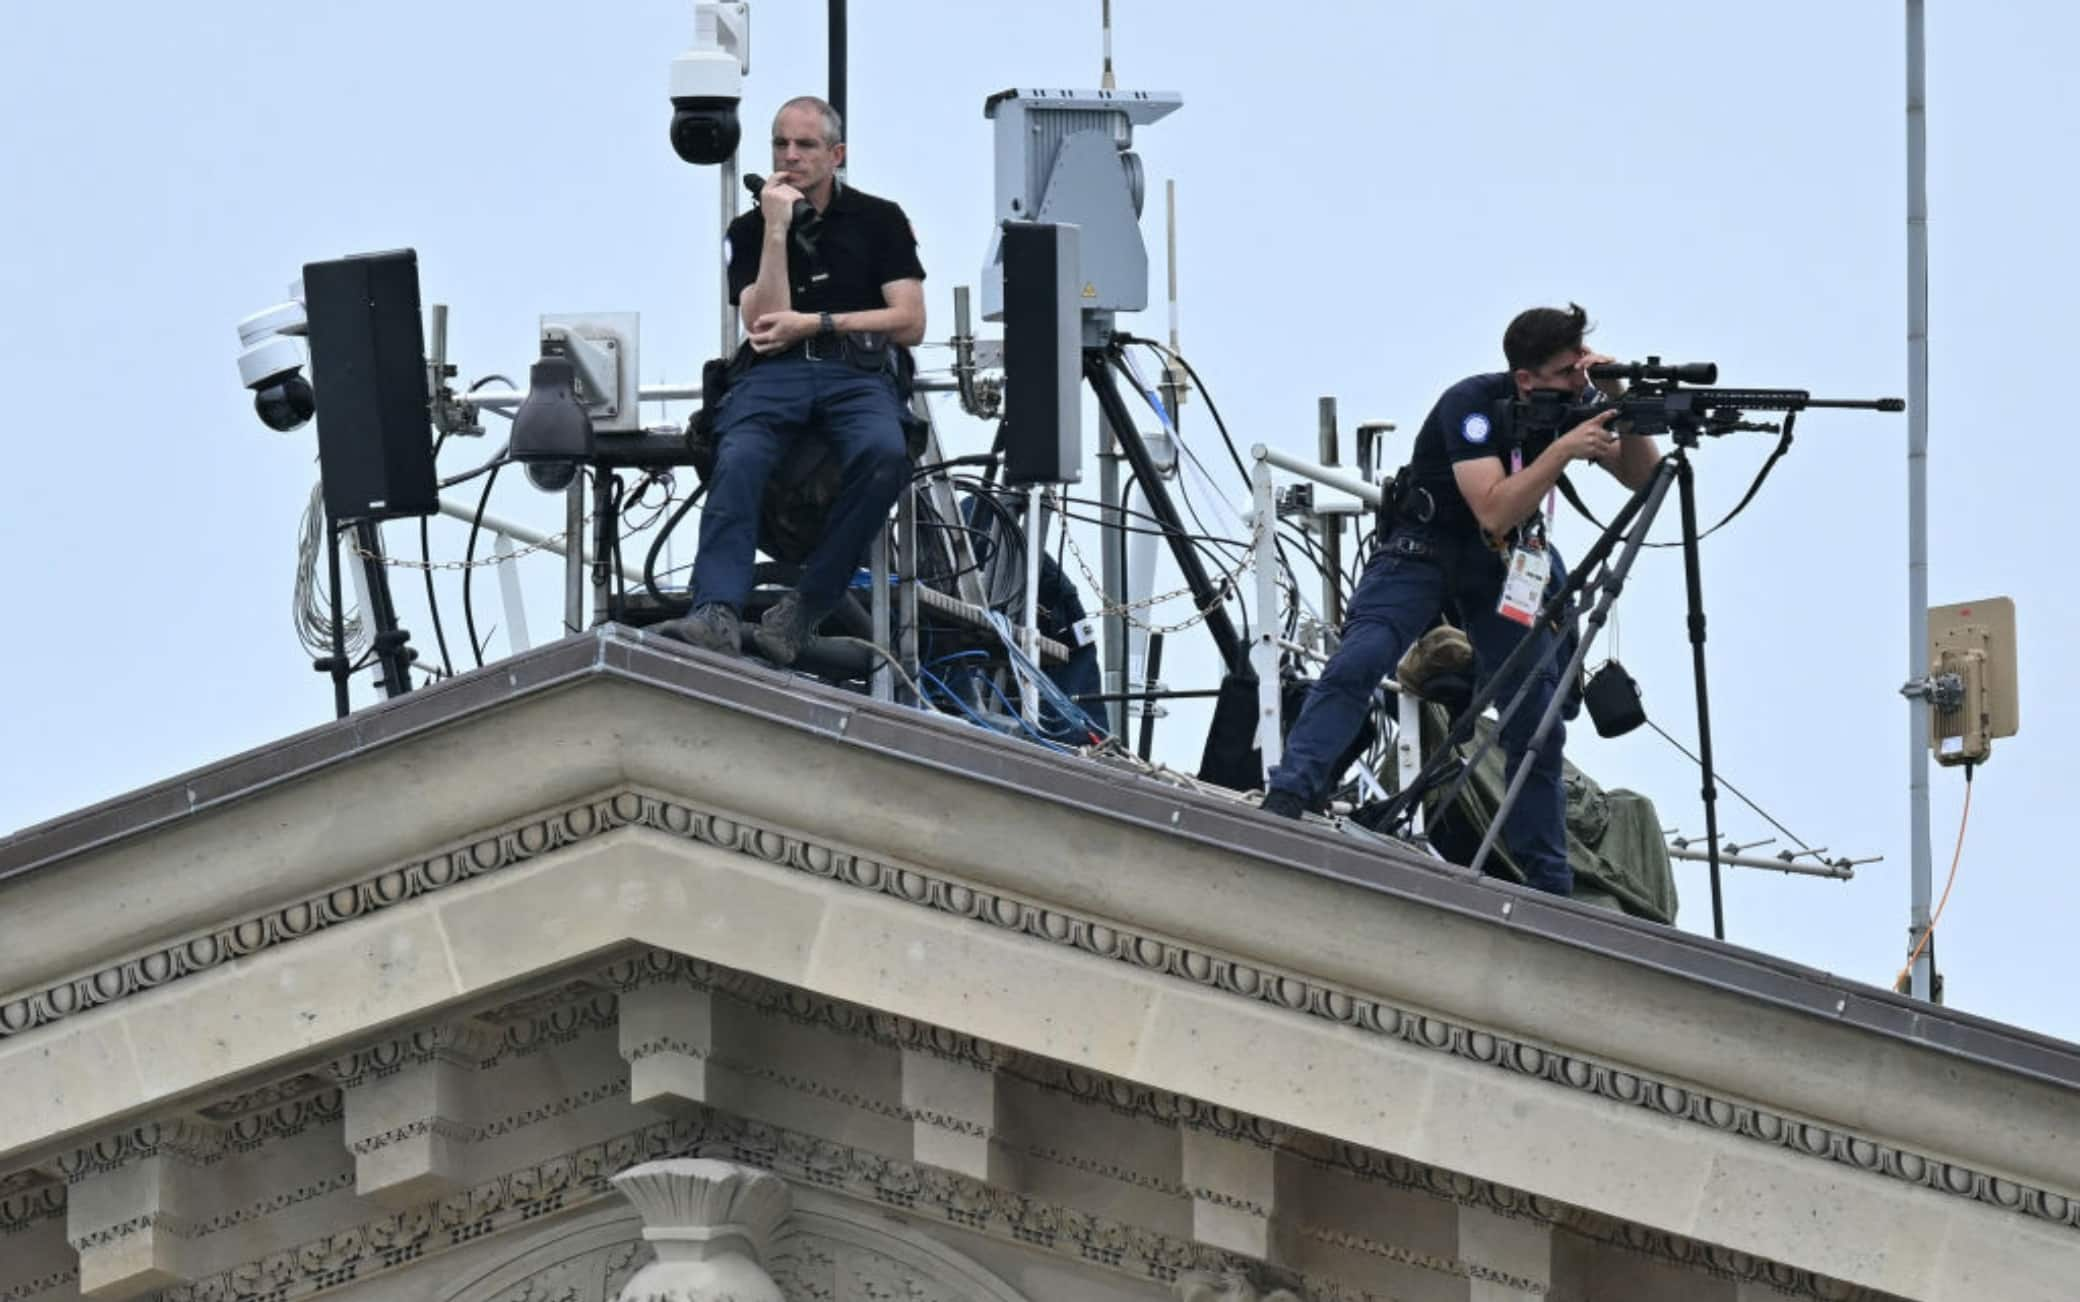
784, 630
713, 627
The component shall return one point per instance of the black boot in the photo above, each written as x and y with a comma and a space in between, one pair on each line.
1283, 803
713, 627
785, 629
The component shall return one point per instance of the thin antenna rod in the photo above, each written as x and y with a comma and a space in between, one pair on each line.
1170, 221
1105, 78
1923, 984
836, 90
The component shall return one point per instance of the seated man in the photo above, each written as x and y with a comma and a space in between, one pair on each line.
1469, 505
806, 296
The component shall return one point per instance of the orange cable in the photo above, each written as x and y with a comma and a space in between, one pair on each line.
1928, 935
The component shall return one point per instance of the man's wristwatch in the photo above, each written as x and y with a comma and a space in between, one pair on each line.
825, 324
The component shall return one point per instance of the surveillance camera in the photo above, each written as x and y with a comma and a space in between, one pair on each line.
705, 131
271, 363
286, 403
552, 476
706, 83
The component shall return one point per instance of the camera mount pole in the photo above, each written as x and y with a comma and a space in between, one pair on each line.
336, 663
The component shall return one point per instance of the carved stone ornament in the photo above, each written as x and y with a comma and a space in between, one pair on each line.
711, 1223
1205, 1286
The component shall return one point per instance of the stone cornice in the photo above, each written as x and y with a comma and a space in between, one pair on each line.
459, 1044
1285, 991
30, 1205
155, 1223
35, 1199
41, 1286
196, 1142
581, 1177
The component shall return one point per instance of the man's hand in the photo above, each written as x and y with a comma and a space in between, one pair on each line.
1612, 389
1592, 440
777, 202
776, 330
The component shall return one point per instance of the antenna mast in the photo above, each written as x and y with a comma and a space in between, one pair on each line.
1105, 81
1923, 983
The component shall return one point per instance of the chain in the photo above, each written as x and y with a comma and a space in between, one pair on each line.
1125, 610
406, 563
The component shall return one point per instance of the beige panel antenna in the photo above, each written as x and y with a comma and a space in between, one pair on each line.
1974, 640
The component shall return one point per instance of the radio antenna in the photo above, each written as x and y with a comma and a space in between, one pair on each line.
1105, 81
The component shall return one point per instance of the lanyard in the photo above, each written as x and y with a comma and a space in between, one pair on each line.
1516, 466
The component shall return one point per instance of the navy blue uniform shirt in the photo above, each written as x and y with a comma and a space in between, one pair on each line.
1465, 426
862, 243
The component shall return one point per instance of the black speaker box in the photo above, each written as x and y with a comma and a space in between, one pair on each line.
368, 368
1043, 355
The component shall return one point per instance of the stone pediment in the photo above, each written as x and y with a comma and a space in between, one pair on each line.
385, 976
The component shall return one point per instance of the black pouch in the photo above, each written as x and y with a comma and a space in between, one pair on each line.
717, 375
1614, 701
868, 350
1389, 505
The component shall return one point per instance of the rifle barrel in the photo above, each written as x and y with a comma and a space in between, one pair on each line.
1786, 400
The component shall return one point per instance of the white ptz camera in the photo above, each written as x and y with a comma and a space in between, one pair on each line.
271, 363
707, 81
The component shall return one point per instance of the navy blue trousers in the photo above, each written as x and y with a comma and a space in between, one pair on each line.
777, 401
1419, 572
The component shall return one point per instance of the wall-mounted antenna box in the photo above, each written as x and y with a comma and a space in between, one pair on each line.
1975, 640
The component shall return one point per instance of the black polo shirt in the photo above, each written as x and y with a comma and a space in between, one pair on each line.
862, 243
1465, 426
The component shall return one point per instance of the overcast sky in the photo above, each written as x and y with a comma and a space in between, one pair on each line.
1367, 193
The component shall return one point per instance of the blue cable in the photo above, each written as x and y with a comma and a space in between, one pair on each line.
980, 722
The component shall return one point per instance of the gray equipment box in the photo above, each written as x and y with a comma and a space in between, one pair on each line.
1065, 157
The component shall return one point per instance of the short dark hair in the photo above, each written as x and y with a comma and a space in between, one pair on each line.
1538, 334
833, 125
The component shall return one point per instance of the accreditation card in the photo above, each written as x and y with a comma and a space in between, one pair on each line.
1524, 583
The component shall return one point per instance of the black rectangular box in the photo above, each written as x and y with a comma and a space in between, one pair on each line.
1043, 354
368, 369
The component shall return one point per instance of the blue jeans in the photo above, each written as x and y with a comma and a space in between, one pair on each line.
776, 401
1420, 570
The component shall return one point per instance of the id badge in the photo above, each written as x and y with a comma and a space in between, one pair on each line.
1524, 584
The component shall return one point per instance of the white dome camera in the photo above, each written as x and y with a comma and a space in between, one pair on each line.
271, 362
707, 83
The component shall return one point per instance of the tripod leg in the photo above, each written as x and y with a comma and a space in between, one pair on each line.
1399, 811
1693, 585
1613, 584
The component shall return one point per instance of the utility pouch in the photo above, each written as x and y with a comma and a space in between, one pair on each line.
1389, 505
717, 375
868, 350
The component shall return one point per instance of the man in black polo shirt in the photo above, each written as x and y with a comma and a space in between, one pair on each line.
813, 294
1472, 509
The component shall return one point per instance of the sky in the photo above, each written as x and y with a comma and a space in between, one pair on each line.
1367, 192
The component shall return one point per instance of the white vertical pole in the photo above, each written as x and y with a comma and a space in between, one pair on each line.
1917, 489
1029, 636
1263, 648
509, 593
1408, 750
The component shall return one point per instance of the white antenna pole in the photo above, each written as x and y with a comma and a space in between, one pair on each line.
1105, 81
1917, 490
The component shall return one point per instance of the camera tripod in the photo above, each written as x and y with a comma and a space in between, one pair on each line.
1591, 588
